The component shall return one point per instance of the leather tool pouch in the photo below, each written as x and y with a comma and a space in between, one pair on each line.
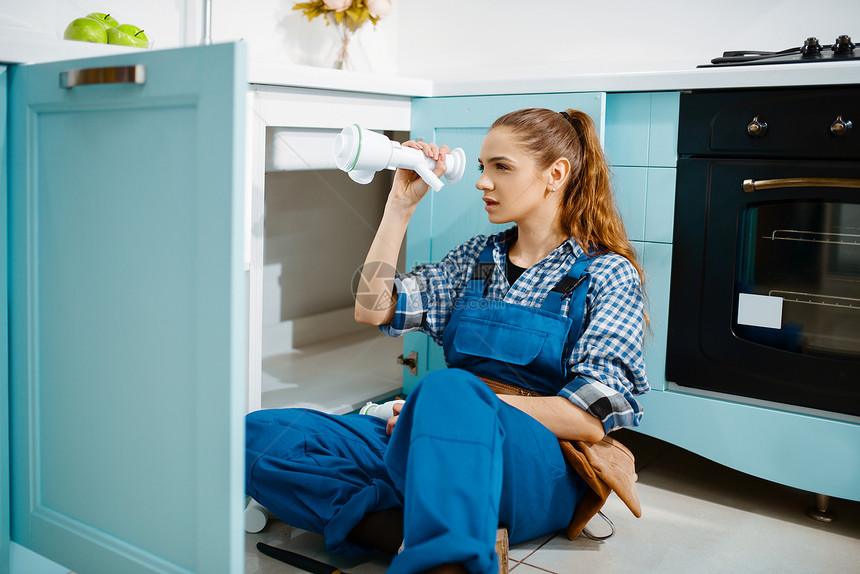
605, 466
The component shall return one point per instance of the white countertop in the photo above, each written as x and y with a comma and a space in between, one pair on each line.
328, 79
21, 46
749, 76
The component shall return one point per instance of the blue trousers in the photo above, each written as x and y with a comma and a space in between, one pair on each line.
460, 462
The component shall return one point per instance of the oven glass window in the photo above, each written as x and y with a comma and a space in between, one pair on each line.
798, 278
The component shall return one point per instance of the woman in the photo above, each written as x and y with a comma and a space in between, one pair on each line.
553, 305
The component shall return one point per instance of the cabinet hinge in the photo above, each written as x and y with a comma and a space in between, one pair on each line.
410, 361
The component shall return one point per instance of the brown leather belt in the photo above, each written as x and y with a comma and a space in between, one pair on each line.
505, 389
605, 466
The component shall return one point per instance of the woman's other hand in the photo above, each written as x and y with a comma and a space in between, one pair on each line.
389, 428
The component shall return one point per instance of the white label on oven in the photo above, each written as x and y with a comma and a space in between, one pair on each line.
760, 310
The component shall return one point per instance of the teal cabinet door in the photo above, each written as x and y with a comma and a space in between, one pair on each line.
656, 259
663, 132
128, 311
642, 129
629, 185
628, 128
4, 350
446, 218
660, 206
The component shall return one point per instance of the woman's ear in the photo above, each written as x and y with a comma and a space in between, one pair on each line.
557, 174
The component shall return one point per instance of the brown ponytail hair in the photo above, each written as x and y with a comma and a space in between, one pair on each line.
588, 212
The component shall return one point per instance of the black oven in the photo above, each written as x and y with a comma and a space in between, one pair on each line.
765, 291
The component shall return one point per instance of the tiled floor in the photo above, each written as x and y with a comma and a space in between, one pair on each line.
698, 517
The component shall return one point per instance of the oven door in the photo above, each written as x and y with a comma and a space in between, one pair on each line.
766, 281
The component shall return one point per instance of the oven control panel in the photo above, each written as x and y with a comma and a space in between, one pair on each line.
776, 123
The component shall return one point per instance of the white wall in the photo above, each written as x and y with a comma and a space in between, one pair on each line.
507, 38
278, 34
167, 23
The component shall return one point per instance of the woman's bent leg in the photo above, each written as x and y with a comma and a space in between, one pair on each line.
318, 472
461, 457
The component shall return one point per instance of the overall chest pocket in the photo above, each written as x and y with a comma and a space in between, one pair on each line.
498, 340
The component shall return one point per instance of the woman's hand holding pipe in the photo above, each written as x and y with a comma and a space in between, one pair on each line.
408, 187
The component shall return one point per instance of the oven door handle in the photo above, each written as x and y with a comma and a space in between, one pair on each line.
751, 185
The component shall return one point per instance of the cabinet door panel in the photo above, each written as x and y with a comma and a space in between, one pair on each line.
657, 260
660, 206
642, 129
663, 135
627, 128
4, 349
128, 314
629, 185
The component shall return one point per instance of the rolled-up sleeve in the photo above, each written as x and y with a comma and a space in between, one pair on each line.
426, 295
411, 307
606, 363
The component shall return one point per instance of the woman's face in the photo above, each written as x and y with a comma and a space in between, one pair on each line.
513, 186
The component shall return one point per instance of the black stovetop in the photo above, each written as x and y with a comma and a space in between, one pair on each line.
841, 50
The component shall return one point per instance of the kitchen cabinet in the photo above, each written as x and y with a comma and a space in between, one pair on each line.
127, 314
446, 218
4, 350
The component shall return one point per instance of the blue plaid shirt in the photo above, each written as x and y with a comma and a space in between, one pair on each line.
606, 366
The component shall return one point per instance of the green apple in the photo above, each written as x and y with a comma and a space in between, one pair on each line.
106, 19
127, 35
86, 30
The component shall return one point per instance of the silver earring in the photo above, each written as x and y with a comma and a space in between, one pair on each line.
552, 189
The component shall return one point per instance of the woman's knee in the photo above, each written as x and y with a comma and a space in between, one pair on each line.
441, 390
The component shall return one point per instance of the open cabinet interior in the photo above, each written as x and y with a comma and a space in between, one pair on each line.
319, 225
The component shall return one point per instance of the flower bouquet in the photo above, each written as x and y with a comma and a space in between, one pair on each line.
348, 16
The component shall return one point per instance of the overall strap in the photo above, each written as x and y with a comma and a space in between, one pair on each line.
574, 285
482, 272
576, 310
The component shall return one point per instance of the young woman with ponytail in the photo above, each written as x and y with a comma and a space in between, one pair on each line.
552, 307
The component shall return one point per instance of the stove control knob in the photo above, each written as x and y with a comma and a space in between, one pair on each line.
843, 45
811, 47
757, 128
840, 127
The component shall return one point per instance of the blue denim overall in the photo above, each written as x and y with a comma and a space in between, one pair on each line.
460, 461
523, 346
